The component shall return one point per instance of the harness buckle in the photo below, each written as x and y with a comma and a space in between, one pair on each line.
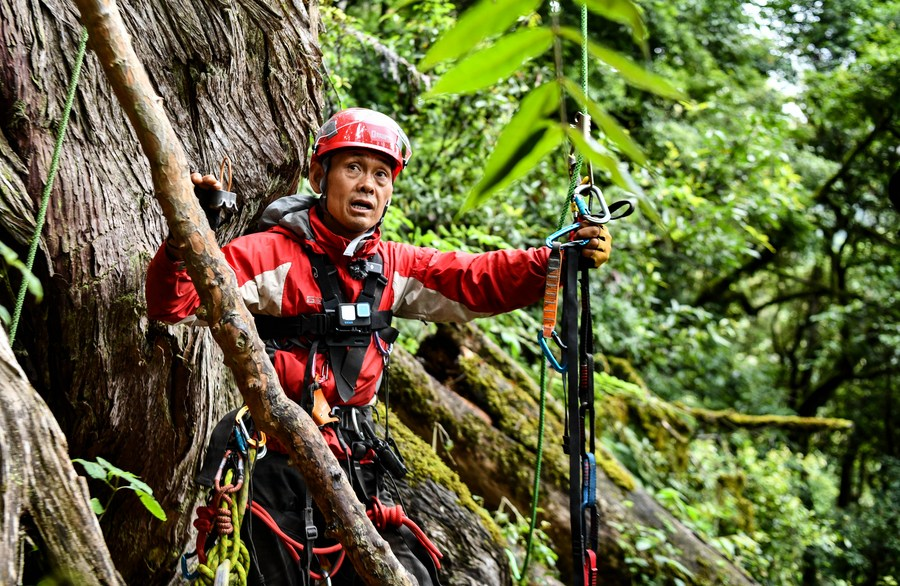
311, 532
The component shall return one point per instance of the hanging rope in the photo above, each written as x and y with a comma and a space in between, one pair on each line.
51, 176
574, 180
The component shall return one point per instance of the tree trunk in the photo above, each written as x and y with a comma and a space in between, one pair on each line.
40, 486
490, 411
242, 81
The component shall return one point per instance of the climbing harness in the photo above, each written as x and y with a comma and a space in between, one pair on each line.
224, 514
51, 177
343, 332
345, 329
565, 265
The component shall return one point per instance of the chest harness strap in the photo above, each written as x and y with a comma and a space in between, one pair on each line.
344, 328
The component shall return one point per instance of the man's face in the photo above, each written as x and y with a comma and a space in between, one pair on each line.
359, 186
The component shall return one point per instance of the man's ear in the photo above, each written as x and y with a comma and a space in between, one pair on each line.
316, 174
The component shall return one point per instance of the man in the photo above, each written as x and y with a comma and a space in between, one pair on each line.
324, 288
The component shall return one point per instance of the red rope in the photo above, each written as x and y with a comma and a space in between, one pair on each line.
381, 516
393, 517
204, 525
293, 546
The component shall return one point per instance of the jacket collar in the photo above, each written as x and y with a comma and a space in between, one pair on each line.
300, 215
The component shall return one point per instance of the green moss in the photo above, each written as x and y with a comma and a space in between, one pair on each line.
734, 419
731, 487
615, 471
424, 464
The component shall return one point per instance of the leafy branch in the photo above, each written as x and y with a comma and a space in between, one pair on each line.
118, 479
534, 131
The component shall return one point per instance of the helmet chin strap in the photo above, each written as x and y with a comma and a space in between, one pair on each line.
323, 183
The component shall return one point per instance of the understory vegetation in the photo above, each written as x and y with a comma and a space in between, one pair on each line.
759, 277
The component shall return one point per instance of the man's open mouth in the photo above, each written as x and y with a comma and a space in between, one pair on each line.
361, 204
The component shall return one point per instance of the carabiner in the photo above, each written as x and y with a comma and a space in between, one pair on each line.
562, 232
259, 444
561, 368
384, 348
584, 212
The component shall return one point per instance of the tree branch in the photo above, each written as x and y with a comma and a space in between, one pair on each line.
860, 147
222, 307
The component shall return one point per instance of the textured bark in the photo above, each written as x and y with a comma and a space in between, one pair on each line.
241, 81
222, 306
39, 482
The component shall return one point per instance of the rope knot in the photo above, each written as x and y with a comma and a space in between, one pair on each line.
203, 522
224, 525
386, 517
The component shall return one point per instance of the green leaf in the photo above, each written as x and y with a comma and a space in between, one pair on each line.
114, 471
607, 124
595, 153
523, 132
484, 68
152, 505
532, 113
633, 73
93, 469
97, 506
32, 283
137, 485
643, 544
485, 19
540, 141
624, 12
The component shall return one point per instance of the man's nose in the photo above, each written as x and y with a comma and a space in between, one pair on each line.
367, 182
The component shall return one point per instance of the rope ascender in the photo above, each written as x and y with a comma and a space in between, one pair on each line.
565, 266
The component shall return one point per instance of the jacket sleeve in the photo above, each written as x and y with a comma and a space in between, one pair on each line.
458, 286
171, 296
260, 262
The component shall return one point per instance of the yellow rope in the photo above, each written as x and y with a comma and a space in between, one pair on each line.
230, 547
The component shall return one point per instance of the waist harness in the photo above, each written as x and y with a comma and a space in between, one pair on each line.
345, 328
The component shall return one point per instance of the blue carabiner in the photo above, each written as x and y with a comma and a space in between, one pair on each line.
548, 354
562, 232
187, 574
589, 479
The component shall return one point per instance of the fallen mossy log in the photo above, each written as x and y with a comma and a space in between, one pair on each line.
489, 407
437, 500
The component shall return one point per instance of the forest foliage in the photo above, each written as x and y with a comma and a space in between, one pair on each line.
760, 277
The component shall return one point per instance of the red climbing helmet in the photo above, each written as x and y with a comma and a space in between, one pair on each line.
360, 127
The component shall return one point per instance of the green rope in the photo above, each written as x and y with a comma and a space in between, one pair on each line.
230, 548
537, 474
51, 176
574, 179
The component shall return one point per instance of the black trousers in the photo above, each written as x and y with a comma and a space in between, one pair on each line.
281, 490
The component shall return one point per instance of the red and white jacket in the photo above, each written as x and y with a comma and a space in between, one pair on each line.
275, 278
